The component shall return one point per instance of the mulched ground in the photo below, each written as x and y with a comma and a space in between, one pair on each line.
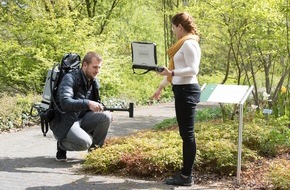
252, 178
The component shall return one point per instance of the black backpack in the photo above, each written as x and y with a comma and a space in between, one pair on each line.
45, 109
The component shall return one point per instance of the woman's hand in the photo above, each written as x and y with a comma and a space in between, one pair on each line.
157, 93
166, 72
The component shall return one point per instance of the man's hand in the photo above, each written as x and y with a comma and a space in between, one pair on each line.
96, 106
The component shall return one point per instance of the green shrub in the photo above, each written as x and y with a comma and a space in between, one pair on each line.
166, 123
275, 142
157, 153
145, 154
222, 161
208, 114
201, 115
268, 140
279, 174
16, 112
217, 147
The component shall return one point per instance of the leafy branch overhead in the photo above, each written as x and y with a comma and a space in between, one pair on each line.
243, 42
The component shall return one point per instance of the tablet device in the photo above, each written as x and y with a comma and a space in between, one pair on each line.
144, 56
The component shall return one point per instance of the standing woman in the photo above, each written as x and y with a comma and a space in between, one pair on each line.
184, 60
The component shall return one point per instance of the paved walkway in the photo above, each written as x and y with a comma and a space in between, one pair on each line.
27, 159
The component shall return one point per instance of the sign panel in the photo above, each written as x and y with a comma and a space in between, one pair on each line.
232, 94
222, 93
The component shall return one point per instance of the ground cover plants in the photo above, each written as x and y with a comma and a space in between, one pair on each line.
15, 113
155, 154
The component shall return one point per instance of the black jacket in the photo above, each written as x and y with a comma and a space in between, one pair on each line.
72, 98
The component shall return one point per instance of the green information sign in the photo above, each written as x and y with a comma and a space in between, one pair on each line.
207, 91
232, 94
222, 93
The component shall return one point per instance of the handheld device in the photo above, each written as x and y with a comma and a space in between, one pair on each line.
144, 56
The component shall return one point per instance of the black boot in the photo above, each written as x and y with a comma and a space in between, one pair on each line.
60, 154
179, 180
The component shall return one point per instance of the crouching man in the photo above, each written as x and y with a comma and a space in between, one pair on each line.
83, 124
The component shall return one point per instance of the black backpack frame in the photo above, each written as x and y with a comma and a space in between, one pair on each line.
45, 109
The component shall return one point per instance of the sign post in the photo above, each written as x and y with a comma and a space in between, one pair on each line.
230, 94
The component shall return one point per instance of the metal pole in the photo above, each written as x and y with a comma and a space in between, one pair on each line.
240, 144
202, 87
240, 139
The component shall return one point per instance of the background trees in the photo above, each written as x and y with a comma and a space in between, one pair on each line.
243, 42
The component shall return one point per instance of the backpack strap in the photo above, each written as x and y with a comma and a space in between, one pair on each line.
140, 73
44, 126
95, 90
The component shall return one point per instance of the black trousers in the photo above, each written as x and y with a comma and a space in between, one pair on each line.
186, 99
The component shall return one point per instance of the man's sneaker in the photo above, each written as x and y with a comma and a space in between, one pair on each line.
60, 155
179, 180
93, 147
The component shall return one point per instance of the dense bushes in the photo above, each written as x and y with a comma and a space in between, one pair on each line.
15, 111
157, 153
146, 154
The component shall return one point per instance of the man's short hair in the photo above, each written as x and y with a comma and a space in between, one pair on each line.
89, 57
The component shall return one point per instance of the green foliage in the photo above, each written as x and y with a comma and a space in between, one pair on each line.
145, 154
49, 31
282, 106
218, 146
268, 139
222, 161
166, 123
201, 115
279, 174
157, 153
242, 42
16, 112
207, 114
277, 139
235, 41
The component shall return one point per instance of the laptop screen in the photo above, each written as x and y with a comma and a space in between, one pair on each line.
144, 54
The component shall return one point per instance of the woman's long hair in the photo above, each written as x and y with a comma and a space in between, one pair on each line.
186, 21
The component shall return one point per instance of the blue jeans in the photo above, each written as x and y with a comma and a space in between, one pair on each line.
90, 131
186, 98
